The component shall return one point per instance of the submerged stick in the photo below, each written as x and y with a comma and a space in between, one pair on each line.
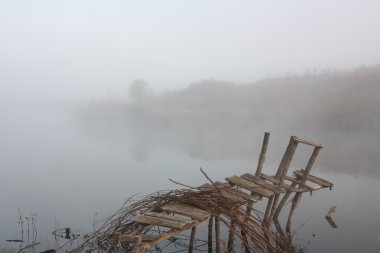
192, 239
210, 227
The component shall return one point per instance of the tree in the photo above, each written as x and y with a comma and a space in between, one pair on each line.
138, 89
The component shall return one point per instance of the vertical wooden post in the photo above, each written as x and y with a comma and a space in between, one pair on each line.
210, 227
217, 234
282, 171
231, 238
259, 169
262, 154
295, 202
267, 212
298, 195
192, 239
138, 246
116, 246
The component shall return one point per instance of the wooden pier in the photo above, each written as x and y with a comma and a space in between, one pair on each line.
237, 192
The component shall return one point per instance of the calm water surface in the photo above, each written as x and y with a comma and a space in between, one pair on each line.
52, 166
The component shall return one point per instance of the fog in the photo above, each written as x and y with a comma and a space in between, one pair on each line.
77, 49
100, 101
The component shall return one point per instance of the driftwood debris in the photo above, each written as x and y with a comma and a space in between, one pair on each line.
142, 225
328, 217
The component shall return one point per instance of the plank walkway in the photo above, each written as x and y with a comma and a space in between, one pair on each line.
246, 188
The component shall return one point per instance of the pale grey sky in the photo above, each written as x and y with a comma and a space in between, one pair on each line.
87, 49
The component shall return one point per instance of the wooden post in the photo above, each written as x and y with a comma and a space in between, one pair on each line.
262, 154
210, 227
217, 234
281, 173
231, 238
295, 203
139, 248
116, 246
298, 195
192, 239
267, 212
259, 169
245, 241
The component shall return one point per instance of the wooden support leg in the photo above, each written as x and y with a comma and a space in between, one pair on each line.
217, 234
282, 171
267, 212
117, 245
138, 245
243, 233
192, 239
262, 154
210, 227
295, 202
231, 238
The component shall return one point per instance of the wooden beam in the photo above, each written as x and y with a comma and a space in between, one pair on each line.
209, 237
145, 238
263, 152
192, 239
231, 238
186, 210
282, 171
314, 179
244, 183
261, 182
159, 221
217, 234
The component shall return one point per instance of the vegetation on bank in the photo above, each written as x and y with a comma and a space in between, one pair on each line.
340, 109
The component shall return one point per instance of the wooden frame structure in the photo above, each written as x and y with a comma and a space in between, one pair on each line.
245, 189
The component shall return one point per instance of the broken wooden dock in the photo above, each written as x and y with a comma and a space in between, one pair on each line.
230, 202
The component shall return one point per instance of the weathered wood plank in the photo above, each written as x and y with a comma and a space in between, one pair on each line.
261, 182
145, 238
186, 210
167, 216
238, 192
249, 186
305, 187
307, 142
286, 186
314, 179
166, 235
159, 221
227, 194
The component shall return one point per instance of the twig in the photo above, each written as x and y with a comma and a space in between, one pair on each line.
31, 245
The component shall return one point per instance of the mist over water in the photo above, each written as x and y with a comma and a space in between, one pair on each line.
75, 162
80, 133
214, 120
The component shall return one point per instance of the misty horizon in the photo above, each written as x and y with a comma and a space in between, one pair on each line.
100, 100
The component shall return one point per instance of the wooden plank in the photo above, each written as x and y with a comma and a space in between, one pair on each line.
159, 221
314, 179
308, 142
186, 210
261, 182
286, 186
227, 194
238, 192
305, 187
166, 235
271, 179
249, 186
167, 216
145, 238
